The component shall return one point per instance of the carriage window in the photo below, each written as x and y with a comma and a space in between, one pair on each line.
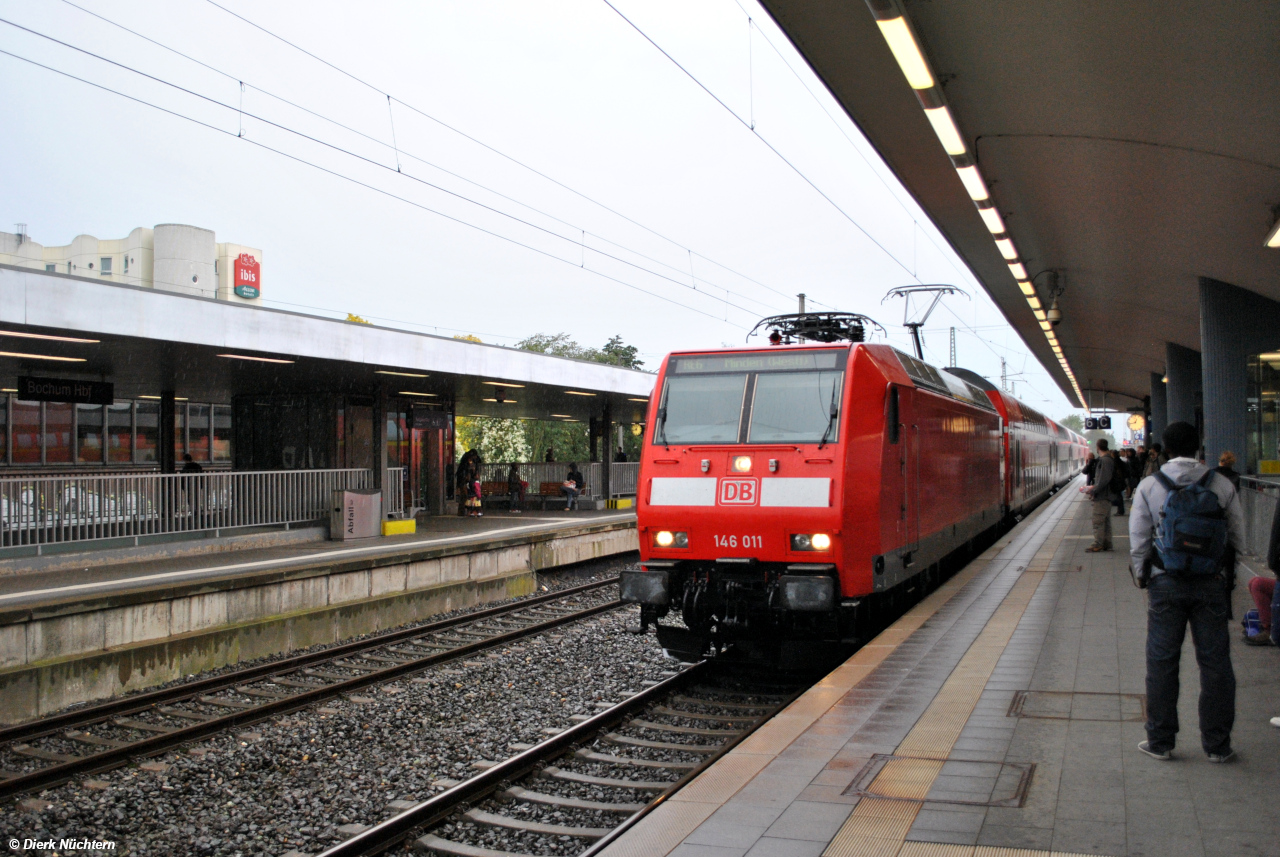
701, 409
795, 407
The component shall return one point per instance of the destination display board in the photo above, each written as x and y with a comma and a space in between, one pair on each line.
797, 361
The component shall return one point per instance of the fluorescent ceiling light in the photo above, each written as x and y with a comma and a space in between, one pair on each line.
973, 183
1027, 288
1034, 301
411, 393
1044, 325
1273, 237
562, 416
906, 52
1007, 249
25, 335
42, 357
645, 400
503, 384
1039, 314
8, 390
504, 401
398, 374
157, 398
576, 393
945, 127
257, 359
1019, 272
991, 217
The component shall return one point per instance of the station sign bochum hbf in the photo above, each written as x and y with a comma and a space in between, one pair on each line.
65, 390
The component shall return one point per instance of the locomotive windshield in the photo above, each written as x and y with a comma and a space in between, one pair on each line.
788, 397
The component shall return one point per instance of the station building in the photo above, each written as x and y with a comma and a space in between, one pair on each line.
108, 376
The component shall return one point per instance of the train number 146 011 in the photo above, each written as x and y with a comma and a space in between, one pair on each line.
739, 541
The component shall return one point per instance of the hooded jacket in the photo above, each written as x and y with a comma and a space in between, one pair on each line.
1148, 501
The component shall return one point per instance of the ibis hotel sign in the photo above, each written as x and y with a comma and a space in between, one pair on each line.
248, 276
63, 390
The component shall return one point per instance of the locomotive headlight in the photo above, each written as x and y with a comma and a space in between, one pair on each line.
668, 539
810, 542
742, 464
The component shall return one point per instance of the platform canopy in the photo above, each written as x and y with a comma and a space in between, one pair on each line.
1131, 147
146, 341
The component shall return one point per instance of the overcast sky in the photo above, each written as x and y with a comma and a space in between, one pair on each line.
660, 215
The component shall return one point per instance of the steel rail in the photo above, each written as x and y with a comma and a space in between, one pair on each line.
139, 702
436, 809
116, 756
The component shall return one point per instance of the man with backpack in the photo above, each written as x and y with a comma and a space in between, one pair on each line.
1184, 528
1104, 470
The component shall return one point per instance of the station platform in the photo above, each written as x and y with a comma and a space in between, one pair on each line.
92, 627
1000, 717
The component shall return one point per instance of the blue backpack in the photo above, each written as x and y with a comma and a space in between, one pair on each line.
1193, 529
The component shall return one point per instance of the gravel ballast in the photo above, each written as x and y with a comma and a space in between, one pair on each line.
293, 781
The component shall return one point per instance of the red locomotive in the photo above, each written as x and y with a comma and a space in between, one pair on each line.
789, 493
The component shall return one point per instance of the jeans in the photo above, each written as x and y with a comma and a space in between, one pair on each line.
1102, 521
1118, 499
572, 498
1172, 604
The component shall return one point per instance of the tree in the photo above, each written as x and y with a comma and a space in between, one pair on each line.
620, 354
1075, 422
497, 440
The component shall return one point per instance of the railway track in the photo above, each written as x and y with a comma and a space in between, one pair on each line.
575, 792
49, 751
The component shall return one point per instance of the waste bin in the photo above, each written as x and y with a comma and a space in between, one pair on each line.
355, 515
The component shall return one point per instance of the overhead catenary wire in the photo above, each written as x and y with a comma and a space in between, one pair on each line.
408, 154
491, 148
803, 176
367, 160
836, 124
356, 181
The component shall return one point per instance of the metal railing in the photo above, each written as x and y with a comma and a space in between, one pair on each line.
37, 510
393, 492
1259, 496
623, 475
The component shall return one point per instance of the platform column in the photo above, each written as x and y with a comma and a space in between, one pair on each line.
1182, 367
606, 442
1234, 324
1159, 415
168, 410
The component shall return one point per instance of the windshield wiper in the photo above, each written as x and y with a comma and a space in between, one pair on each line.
662, 426
831, 420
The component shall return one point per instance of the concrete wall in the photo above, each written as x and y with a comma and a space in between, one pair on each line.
83, 652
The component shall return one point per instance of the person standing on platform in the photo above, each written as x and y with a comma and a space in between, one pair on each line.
572, 487
551, 456
1104, 467
515, 487
1227, 467
1184, 529
1118, 480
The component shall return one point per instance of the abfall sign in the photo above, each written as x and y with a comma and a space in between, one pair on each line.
248, 276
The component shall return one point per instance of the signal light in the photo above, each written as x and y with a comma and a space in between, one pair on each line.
742, 464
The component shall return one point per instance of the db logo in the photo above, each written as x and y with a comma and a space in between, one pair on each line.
739, 492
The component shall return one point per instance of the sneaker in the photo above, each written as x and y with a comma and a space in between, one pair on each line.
1220, 758
1262, 638
1162, 755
